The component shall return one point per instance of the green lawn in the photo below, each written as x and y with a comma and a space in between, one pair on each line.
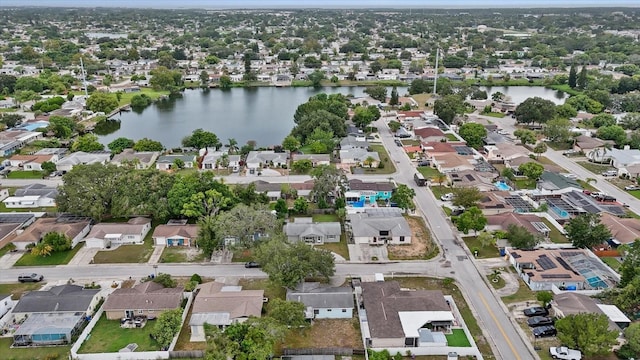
32, 353
494, 114
242, 255
458, 338
18, 289
560, 146
410, 142
325, 218
57, 258
555, 235
5, 249
108, 336
438, 190
525, 184
451, 137
473, 244
595, 168
127, 253
339, 248
523, 294
613, 263
587, 186
177, 254
271, 291
126, 97
635, 193
389, 167
428, 172
498, 283
21, 174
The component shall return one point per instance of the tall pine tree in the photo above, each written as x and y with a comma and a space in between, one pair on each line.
582, 79
394, 97
573, 76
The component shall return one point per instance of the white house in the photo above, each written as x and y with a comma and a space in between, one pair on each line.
175, 234
166, 162
32, 196
32, 162
82, 158
324, 302
107, 235
214, 160
265, 159
304, 229
378, 227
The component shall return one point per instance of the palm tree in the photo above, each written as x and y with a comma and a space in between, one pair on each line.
369, 161
440, 178
42, 249
597, 154
232, 145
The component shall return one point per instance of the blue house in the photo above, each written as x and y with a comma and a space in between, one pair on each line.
368, 192
323, 302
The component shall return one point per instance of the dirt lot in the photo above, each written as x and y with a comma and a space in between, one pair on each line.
421, 246
326, 333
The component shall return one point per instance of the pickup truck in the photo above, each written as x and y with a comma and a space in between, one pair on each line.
563, 352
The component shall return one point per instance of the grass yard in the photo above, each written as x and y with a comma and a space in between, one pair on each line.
555, 235
421, 99
127, 253
421, 246
271, 291
57, 258
428, 172
613, 263
5, 249
523, 184
424, 283
635, 193
451, 137
242, 255
438, 190
179, 254
126, 97
108, 336
523, 294
325, 218
183, 342
37, 353
595, 168
494, 114
339, 248
457, 338
473, 244
324, 333
560, 146
18, 289
496, 281
410, 142
389, 167
585, 185
25, 174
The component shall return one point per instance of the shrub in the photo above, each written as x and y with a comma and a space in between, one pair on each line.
196, 278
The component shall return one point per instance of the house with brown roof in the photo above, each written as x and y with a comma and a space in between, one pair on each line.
397, 318
75, 228
220, 305
623, 230
472, 178
503, 152
452, 162
135, 159
147, 299
494, 203
175, 234
532, 223
586, 143
429, 134
437, 148
107, 235
571, 303
32, 162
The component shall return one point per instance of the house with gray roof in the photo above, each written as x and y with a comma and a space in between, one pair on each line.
550, 182
304, 229
378, 228
358, 156
82, 158
31, 196
266, 159
316, 159
323, 302
59, 299
214, 160
148, 299
166, 162
136, 159
354, 141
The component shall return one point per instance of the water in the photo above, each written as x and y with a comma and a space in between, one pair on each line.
519, 94
501, 185
261, 114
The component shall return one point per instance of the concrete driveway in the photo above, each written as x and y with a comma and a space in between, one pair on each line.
368, 253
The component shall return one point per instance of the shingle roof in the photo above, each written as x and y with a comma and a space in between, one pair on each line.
63, 298
365, 225
322, 297
300, 228
42, 226
189, 231
355, 184
146, 296
213, 297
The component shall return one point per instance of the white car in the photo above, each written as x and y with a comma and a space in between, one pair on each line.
447, 197
563, 352
632, 187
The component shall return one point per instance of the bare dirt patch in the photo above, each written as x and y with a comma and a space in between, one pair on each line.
326, 333
421, 246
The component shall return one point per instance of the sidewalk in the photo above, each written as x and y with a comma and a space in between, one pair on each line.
9, 259
157, 252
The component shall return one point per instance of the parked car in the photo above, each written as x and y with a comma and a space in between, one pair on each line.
251, 264
536, 311
33, 277
569, 152
424, 163
447, 197
564, 353
545, 331
540, 321
632, 187
610, 173
398, 142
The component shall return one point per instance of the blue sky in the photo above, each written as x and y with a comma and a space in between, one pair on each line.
323, 3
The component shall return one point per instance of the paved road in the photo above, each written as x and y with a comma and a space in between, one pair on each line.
506, 339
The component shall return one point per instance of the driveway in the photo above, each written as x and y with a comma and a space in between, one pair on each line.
368, 253
9, 259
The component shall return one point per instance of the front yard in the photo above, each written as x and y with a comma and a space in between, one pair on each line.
489, 251
271, 291
428, 172
31, 353
56, 258
457, 338
421, 246
127, 253
339, 248
18, 289
595, 168
25, 174
179, 254
108, 336
324, 333
389, 167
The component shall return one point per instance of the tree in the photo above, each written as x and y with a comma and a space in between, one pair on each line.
613, 132
57, 241
629, 121
363, 116
253, 339
232, 145
207, 203
29, 83
87, 143
535, 110
395, 99
377, 92
42, 249
119, 144
540, 148
544, 297
102, 102
630, 267
520, 237
525, 136
140, 101
316, 78
573, 76
301, 205
208, 239
242, 223
586, 231
289, 264
165, 280
532, 170
204, 79
291, 143
507, 173
473, 134
145, 144
165, 79
167, 326
582, 80
587, 332
201, 139
225, 82
287, 313
302, 166
178, 164
466, 196
62, 127
471, 219
394, 125
329, 181
281, 208
601, 120
497, 96
565, 111
403, 196
632, 334
558, 130
11, 120
486, 239
449, 107
48, 167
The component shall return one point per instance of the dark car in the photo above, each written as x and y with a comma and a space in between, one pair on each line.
251, 264
544, 331
536, 311
540, 321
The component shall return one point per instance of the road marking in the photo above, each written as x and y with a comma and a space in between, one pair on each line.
493, 316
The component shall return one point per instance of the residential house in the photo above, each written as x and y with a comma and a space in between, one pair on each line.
272, 190
147, 299
452, 162
316, 159
577, 202
137, 159
219, 305
304, 229
620, 159
303, 189
354, 141
572, 303
31, 162
504, 152
323, 302
358, 157
429, 134
214, 160
107, 235
586, 144
167, 162
265, 159
175, 233
553, 183
11, 224
397, 318
75, 228
532, 223
4, 193
58, 152
565, 269
494, 203
368, 192
632, 171
623, 230
32, 196
54, 316
378, 226
6, 304
82, 158
471, 178
12, 140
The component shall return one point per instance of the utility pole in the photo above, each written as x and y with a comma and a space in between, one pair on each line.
435, 79
84, 80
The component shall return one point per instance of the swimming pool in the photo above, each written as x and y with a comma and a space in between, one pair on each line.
501, 185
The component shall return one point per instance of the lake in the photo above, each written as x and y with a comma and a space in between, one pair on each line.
262, 114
